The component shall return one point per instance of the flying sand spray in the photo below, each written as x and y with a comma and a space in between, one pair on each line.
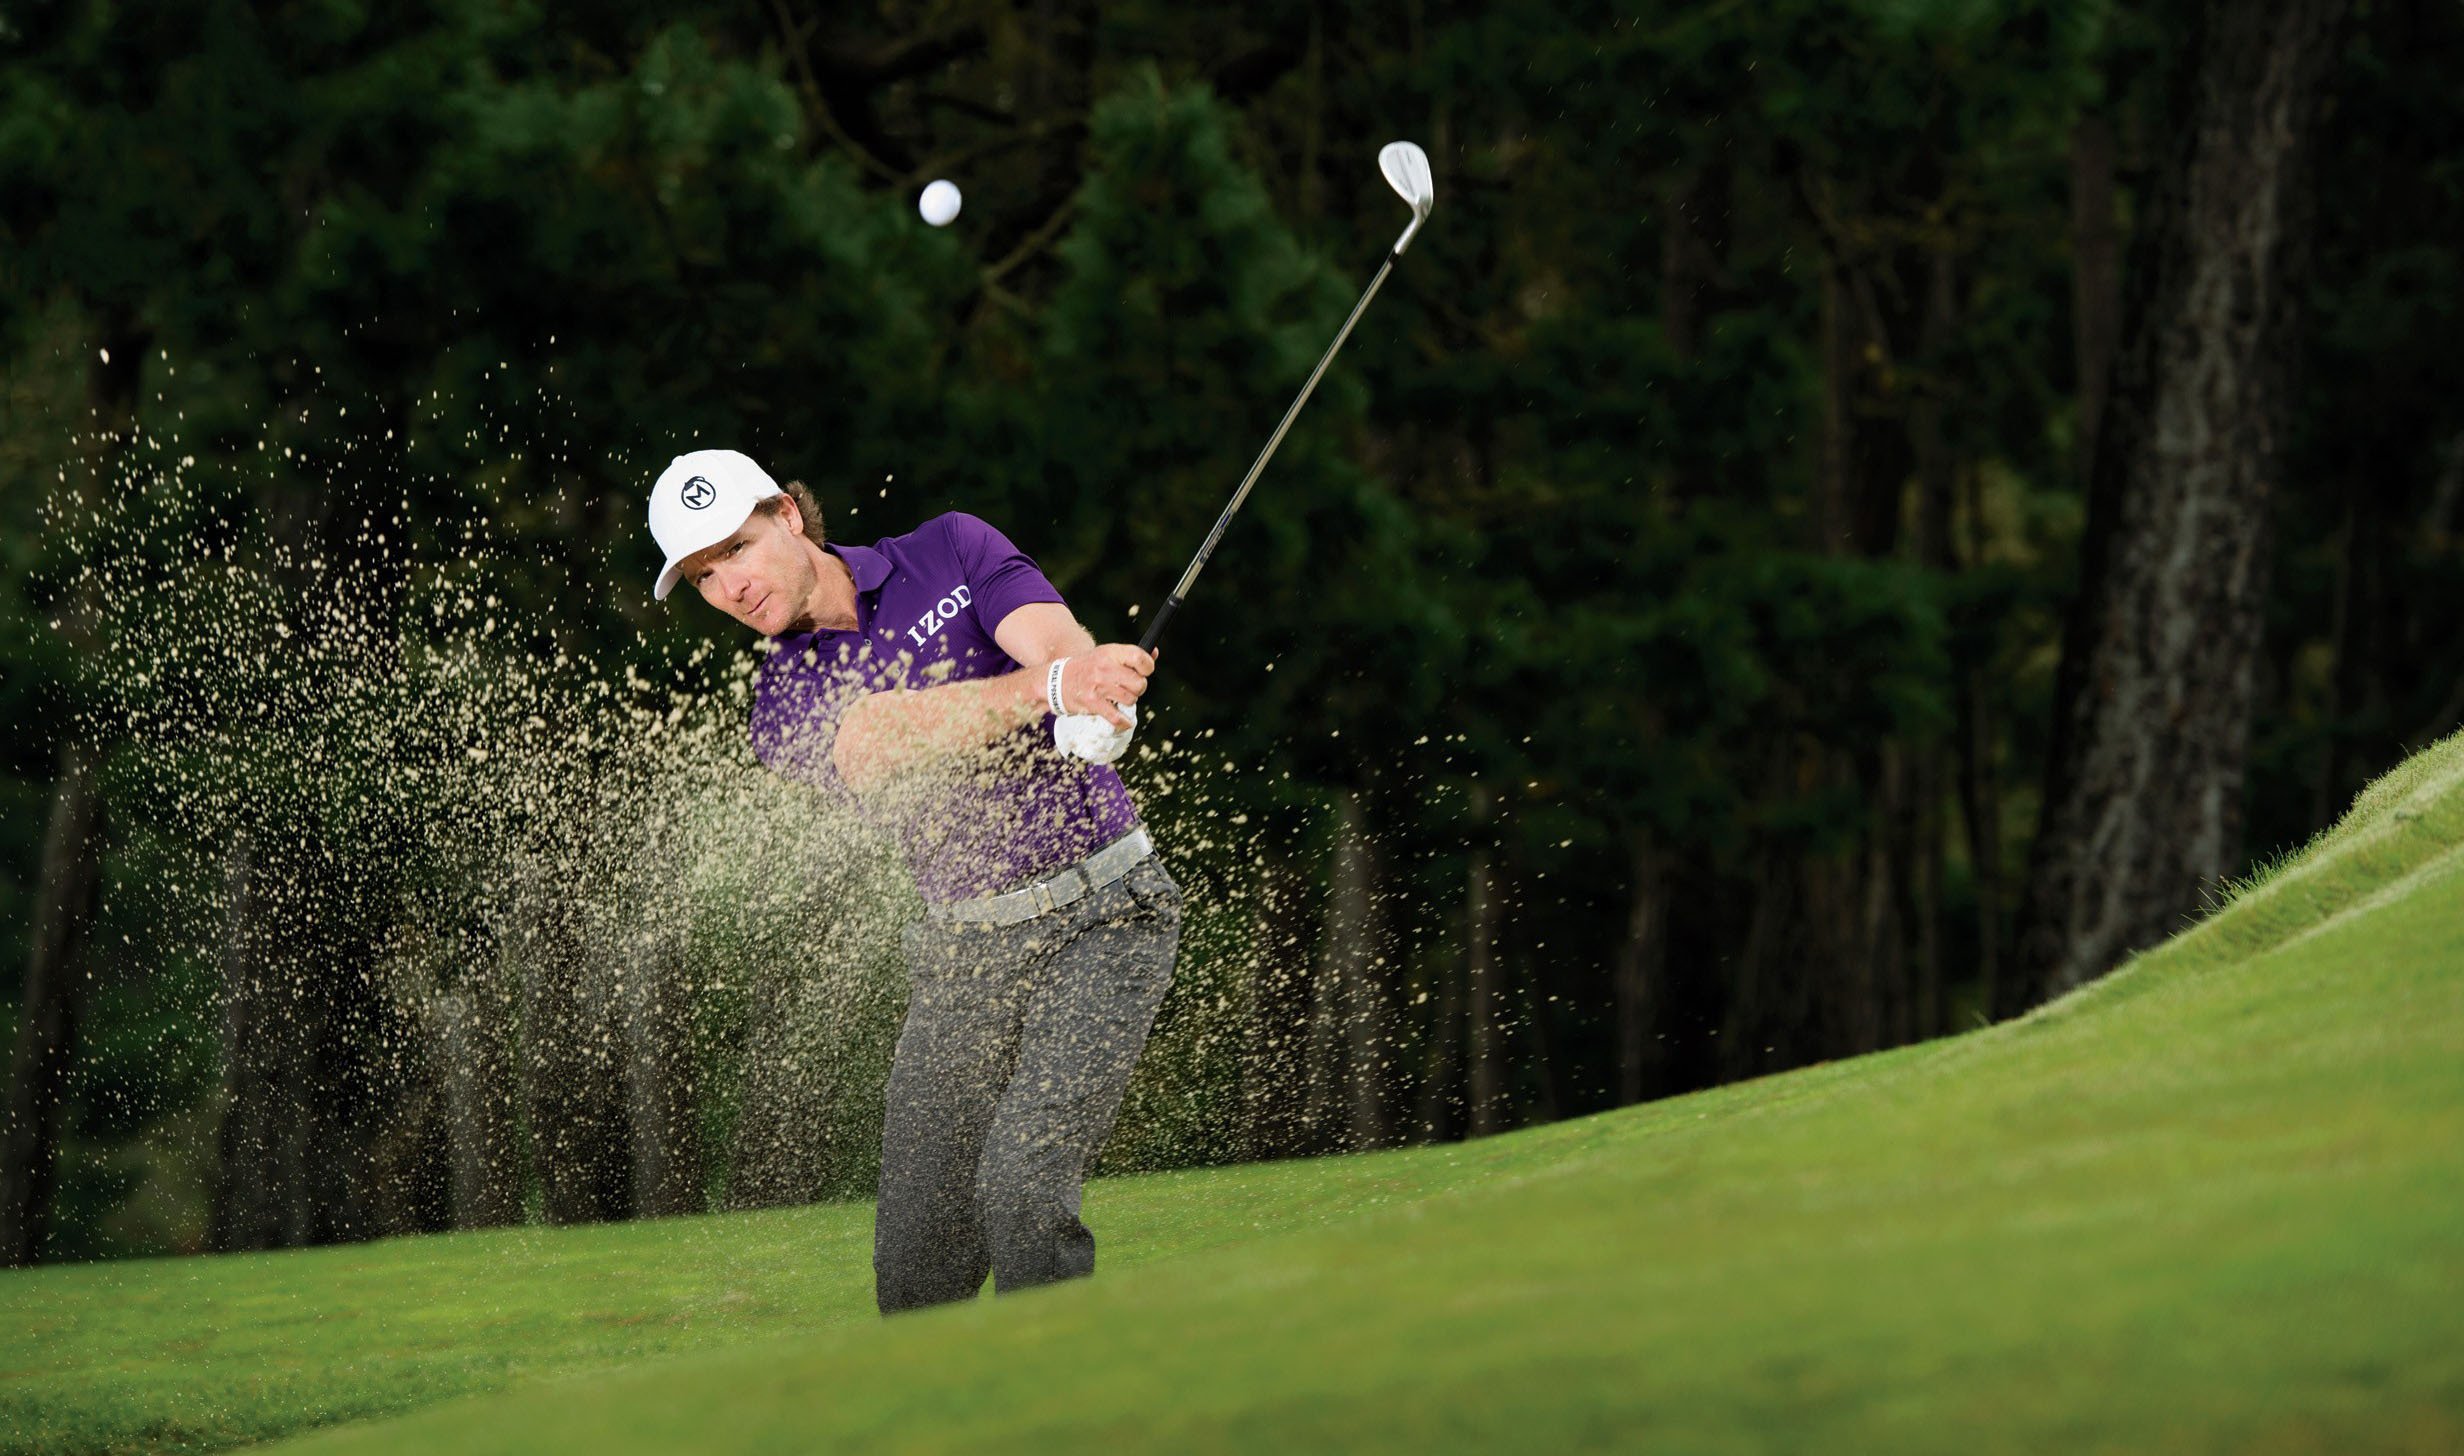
496, 826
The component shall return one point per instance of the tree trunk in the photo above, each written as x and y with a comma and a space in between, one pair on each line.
1755, 1014
1346, 1027
1530, 991
2356, 710
474, 1032
1875, 982
70, 889
1438, 1115
580, 1140
412, 1158
1937, 476
1922, 1015
659, 1080
1356, 966
1831, 467
231, 1217
2438, 522
1642, 959
2096, 276
775, 1157
1866, 454
1980, 791
2144, 783
352, 1102
260, 1197
1275, 1061
309, 1096
1487, 1045
54, 997
1854, 947
1693, 251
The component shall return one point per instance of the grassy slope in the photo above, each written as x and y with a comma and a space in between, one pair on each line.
202, 1354
2210, 1204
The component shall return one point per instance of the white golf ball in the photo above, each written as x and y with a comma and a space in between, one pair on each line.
939, 203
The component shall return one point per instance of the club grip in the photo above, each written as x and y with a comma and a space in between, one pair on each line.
1155, 629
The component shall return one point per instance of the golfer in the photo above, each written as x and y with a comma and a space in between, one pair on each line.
920, 677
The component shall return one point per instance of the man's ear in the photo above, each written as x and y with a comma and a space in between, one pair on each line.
784, 507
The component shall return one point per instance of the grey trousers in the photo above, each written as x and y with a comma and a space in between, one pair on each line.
1018, 1044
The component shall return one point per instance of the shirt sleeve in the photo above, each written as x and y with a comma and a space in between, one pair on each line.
1000, 577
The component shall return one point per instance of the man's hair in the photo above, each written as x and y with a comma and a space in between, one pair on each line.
806, 506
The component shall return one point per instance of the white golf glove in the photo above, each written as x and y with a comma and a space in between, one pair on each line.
1087, 736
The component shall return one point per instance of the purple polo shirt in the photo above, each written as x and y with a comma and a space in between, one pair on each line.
926, 606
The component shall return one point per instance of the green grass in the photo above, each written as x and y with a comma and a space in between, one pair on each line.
2216, 1202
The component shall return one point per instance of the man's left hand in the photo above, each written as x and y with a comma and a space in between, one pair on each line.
1106, 682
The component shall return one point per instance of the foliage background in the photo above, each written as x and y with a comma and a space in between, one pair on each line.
1633, 674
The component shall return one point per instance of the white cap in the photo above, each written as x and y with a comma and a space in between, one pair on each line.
699, 501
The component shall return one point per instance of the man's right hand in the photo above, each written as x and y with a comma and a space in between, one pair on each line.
1103, 681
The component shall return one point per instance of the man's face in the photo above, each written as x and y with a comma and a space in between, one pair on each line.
763, 575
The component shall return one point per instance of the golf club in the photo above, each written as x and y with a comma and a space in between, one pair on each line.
1407, 171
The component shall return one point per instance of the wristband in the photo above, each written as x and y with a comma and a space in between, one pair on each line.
1052, 688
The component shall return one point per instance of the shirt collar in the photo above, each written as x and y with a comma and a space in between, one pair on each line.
869, 567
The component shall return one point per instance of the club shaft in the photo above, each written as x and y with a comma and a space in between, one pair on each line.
1155, 628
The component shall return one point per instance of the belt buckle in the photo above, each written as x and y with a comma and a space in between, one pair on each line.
1041, 893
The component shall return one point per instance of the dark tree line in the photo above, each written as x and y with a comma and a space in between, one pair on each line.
1852, 520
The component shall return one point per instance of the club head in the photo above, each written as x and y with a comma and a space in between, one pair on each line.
1407, 171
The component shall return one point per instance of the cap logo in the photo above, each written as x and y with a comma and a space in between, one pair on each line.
699, 493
